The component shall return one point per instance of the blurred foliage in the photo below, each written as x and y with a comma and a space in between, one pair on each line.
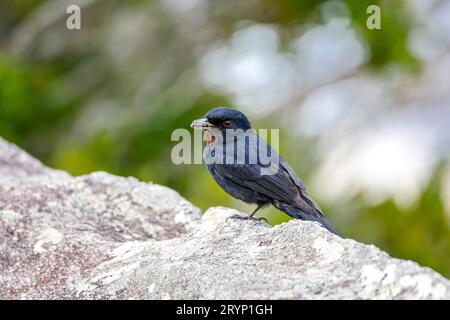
49, 105
420, 232
387, 45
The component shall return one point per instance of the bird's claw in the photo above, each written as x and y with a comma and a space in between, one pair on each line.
240, 217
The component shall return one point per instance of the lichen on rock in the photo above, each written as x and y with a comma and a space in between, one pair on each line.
103, 236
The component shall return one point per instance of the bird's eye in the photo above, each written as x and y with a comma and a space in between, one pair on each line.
226, 124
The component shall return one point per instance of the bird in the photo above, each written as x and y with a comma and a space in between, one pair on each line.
233, 156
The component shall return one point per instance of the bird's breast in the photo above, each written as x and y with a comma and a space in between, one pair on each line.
210, 138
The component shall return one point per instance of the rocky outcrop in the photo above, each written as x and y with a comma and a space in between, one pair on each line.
103, 236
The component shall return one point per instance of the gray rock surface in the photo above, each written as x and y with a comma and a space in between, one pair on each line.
102, 236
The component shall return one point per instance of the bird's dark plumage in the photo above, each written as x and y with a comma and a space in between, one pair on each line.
243, 178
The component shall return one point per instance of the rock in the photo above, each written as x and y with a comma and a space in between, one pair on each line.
105, 237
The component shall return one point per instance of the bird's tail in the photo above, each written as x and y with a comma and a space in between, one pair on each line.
296, 213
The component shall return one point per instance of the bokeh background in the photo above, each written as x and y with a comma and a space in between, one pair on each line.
364, 115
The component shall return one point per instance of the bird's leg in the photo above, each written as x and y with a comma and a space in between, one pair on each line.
256, 210
251, 216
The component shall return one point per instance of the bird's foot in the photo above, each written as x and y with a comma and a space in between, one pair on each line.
240, 217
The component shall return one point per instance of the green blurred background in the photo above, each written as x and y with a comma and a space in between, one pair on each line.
363, 114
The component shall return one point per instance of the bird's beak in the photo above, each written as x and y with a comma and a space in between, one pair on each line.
202, 123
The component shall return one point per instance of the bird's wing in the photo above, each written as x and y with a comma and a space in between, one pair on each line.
277, 186
284, 185
302, 189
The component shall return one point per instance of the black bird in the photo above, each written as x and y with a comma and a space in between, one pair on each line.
233, 158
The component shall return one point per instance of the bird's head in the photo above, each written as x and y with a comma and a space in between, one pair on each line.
221, 119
